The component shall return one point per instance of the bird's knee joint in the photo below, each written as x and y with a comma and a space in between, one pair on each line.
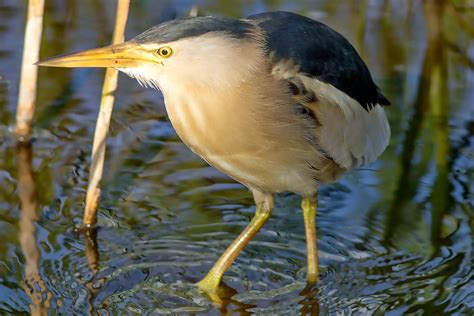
263, 211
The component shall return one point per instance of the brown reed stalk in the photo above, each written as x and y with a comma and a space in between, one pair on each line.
29, 71
103, 122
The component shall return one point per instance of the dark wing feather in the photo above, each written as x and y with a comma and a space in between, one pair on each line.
321, 53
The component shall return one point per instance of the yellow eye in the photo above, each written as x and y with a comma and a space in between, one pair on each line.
165, 52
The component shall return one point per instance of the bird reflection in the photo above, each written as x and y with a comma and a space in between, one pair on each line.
223, 298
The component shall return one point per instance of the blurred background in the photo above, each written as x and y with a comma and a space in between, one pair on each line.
395, 237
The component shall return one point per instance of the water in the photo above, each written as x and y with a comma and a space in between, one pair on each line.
395, 237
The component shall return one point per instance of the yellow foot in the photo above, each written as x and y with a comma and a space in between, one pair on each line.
217, 291
210, 283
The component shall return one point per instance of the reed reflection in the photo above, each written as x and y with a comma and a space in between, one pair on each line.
33, 283
310, 303
93, 262
430, 104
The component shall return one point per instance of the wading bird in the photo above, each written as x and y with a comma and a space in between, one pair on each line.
277, 101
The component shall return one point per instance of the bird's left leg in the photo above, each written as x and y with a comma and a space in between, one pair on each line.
211, 281
309, 205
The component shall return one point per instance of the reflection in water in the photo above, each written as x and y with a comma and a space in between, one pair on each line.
438, 99
33, 284
431, 101
223, 299
309, 304
395, 237
92, 258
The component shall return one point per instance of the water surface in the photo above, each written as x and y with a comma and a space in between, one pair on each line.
394, 237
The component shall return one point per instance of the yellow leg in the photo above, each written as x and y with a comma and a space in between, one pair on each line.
309, 206
211, 281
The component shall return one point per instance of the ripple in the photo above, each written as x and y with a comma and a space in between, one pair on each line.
394, 238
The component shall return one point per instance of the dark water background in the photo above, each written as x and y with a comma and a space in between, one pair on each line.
395, 237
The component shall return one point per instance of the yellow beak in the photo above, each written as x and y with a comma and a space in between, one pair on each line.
124, 55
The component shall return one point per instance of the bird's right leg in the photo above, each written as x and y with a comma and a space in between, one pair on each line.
211, 281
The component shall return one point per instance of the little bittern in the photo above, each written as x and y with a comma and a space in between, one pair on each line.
277, 101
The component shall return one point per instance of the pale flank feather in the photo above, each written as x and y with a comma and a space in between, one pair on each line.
351, 135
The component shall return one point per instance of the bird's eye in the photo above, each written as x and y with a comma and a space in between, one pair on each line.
165, 52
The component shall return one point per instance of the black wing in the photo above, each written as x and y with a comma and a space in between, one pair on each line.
321, 53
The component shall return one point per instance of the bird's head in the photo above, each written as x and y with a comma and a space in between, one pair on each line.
194, 53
